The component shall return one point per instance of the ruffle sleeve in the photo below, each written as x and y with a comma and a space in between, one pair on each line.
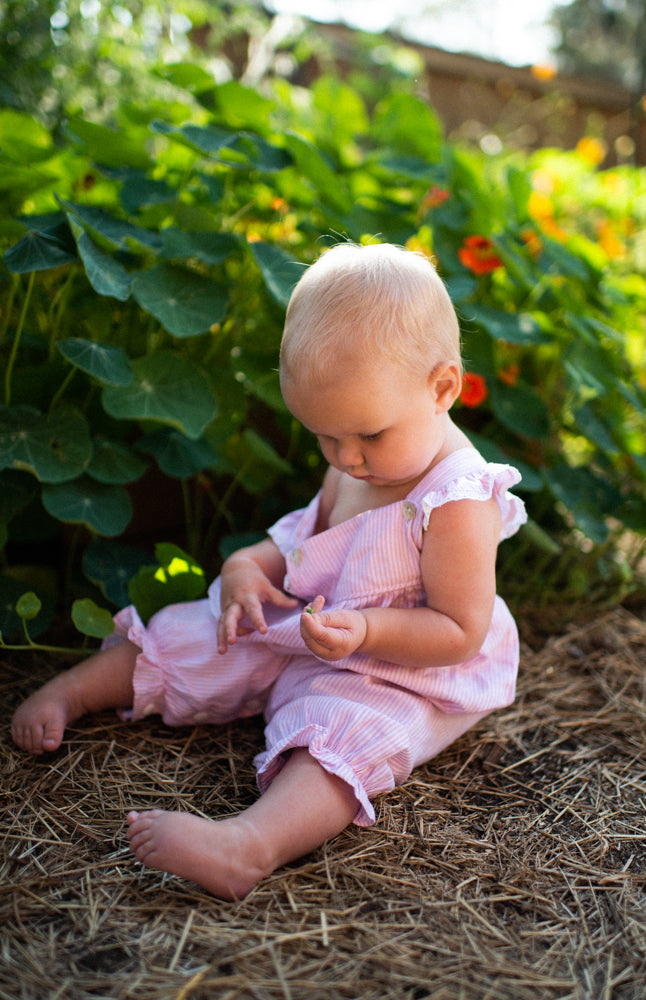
493, 480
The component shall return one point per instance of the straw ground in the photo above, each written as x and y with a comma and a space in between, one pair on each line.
513, 866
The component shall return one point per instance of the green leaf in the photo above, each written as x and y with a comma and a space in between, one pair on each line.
118, 233
176, 455
110, 565
589, 498
176, 578
279, 270
106, 275
211, 248
92, 620
115, 463
103, 509
11, 624
519, 409
313, 165
38, 251
107, 146
54, 447
407, 124
28, 606
165, 388
23, 138
514, 328
104, 362
185, 303
243, 107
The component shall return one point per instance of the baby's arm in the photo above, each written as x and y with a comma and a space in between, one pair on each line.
250, 578
458, 565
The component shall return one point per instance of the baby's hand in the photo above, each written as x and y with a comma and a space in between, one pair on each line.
332, 635
245, 589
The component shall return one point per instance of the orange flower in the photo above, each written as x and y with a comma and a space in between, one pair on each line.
479, 255
474, 389
532, 241
509, 375
434, 196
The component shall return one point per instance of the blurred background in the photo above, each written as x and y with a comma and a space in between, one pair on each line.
525, 74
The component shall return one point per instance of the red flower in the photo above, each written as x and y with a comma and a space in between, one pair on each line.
479, 255
474, 389
435, 196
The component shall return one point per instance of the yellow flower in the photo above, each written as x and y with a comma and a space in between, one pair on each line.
592, 150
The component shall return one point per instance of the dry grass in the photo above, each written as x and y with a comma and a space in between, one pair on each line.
511, 867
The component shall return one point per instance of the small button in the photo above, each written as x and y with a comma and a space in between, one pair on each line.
296, 556
409, 510
200, 717
149, 709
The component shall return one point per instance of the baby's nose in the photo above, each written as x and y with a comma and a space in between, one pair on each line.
349, 454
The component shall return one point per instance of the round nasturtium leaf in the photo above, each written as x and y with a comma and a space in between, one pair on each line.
166, 388
115, 463
185, 303
105, 362
92, 620
55, 447
104, 509
177, 455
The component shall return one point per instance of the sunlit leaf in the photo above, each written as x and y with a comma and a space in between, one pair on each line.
279, 270
211, 248
515, 328
165, 388
106, 145
176, 578
55, 447
116, 232
317, 168
185, 303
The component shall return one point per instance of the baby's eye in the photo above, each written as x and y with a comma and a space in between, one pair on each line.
371, 437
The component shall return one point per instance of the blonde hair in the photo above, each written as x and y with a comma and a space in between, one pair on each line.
379, 299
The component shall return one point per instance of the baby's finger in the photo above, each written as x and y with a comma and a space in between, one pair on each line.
316, 605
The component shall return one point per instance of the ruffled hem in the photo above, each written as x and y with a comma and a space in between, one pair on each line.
271, 762
128, 625
492, 481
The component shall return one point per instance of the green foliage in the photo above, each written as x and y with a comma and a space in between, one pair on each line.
145, 279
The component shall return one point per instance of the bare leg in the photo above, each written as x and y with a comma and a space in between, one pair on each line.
102, 681
303, 807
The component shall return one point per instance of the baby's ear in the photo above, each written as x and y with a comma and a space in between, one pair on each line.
445, 381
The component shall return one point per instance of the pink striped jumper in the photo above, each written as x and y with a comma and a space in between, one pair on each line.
368, 721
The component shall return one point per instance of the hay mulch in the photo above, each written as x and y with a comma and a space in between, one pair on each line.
513, 866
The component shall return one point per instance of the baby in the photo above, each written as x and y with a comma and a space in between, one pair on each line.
365, 627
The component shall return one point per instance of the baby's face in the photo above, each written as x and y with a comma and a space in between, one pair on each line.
378, 423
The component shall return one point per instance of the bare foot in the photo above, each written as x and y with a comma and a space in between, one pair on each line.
226, 857
39, 723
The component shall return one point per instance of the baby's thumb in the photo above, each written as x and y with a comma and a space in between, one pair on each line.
283, 600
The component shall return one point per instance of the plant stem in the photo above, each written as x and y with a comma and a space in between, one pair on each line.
16, 340
9, 306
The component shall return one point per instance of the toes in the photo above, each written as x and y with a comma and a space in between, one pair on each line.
52, 736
